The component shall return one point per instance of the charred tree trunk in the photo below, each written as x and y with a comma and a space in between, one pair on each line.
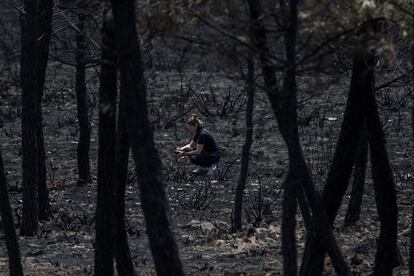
140, 134
104, 245
411, 262
284, 107
84, 175
387, 256
344, 157
36, 31
361, 159
45, 24
304, 210
123, 259
238, 202
363, 101
43, 193
287, 129
15, 265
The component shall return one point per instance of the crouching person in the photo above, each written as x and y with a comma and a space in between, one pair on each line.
203, 149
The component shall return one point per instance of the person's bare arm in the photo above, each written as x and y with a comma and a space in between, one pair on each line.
196, 151
192, 144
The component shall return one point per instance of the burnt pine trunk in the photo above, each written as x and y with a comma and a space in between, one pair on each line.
357, 192
45, 24
36, 31
284, 107
123, 258
104, 245
84, 175
15, 265
300, 194
124, 264
289, 194
387, 256
140, 134
43, 194
344, 156
250, 89
411, 262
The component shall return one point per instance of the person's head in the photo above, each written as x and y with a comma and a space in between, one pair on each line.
194, 124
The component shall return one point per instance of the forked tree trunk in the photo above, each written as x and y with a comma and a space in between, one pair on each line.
357, 192
104, 239
36, 31
238, 202
387, 252
15, 265
123, 259
387, 256
84, 175
140, 135
284, 107
344, 157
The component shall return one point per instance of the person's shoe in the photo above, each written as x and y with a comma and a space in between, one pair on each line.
212, 169
200, 171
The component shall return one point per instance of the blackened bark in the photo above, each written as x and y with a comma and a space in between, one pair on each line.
43, 193
357, 192
104, 240
124, 264
140, 134
36, 31
238, 202
411, 261
15, 265
344, 157
284, 107
387, 256
44, 31
304, 210
84, 175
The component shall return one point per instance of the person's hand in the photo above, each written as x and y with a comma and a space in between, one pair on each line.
180, 153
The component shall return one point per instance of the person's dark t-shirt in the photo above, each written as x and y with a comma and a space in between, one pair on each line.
204, 137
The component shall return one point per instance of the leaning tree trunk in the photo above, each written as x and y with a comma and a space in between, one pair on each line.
344, 157
357, 192
36, 31
15, 265
363, 79
290, 185
284, 107
104, 245
250, 89
124, 264
387, 256
140, 134
84, 175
